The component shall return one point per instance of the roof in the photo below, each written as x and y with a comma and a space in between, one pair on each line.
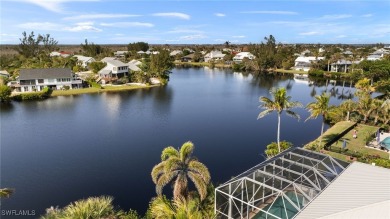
133, 67
83, 58
105, 59
279, 187
135, 62
362, 191
44, 73
116, 63
308, 59
4, 72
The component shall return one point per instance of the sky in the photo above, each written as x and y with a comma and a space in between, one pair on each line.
197, 22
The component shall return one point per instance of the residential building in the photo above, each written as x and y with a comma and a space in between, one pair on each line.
4, 73
120, 53
241, 55
214, 56
62, 54
84, 61
175, 52
188, 58
135, 62
302, 184
114, 69
54, 78
342, 65
304, 63
105, 59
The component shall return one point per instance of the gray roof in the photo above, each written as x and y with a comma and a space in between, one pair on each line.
361, 191
44, 73
116, 63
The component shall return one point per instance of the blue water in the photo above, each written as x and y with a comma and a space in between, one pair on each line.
59, 150
281, 206
386, 143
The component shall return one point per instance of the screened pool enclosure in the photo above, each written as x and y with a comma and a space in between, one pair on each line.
279, 187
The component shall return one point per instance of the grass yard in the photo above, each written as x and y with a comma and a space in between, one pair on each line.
97, 90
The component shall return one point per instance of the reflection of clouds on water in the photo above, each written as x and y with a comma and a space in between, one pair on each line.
112, 104
54, 103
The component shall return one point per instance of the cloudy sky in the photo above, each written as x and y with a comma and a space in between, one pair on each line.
197, 22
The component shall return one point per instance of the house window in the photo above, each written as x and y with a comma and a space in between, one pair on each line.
25, 88
40, 81
50, 80
34, 88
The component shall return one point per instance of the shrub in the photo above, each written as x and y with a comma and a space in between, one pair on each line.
5, 93
65, 87
316, 73
272, 149
44, 94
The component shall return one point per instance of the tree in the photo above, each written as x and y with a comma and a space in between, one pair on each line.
138, 46
162, 208
5, 93
96, 66
49, 44
6, 192
319, 107
29, 45
90, 49
279, 103
348, 106
181, 165
160, 66
273, 148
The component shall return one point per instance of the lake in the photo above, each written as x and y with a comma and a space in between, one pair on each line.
67, 148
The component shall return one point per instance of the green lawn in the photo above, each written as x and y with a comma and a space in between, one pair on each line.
353, 145
97, 90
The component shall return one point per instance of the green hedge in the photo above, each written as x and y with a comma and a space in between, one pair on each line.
44, 94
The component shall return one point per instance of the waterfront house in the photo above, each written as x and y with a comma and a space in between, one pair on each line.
214, 56
241, 55
304, 63
187, 58
342, 65
4, 73
114, 69
54, 78
84, 61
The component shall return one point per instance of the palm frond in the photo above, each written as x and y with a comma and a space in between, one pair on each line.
200, 169
169, 152
163, 180
264, 113
157, 171
200, 184
293, 114
186, 151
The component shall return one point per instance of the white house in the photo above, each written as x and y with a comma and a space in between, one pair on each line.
105, 59
4, 73
214, 55
54, 78
175, 52
84, 61
240, 56
120, 53
62, 54
114, 69
304, 63
135, 62
342, 65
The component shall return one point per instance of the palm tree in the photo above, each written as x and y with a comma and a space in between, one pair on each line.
181, 165
348, 106
6, 192
162, 208
279, 103
319, 107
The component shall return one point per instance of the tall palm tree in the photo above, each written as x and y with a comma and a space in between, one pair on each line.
279, 103
181, 165
348, 106
319, 107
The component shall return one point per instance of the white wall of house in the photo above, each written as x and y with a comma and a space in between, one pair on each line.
118, 69
57, 83
240, 56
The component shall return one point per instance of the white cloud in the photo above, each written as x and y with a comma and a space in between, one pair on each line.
98, 16
367, 15
184, 30
193, 37
127, 24
84, 26
238, 36
311, 33
341, 36
336, 16
173, 14
270, 12
220, 15
53, 5
40, 26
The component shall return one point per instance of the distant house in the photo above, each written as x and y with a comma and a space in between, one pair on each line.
342, 65
54, 78
214, 55
84, 61
188, 58
141, 52
304, 63
241, 55
62, 54
348, 53
306, 52
175, 52
120, 53
321, 50
105, 59
114, 69
4, 73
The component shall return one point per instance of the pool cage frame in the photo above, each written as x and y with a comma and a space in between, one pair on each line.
278, 188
